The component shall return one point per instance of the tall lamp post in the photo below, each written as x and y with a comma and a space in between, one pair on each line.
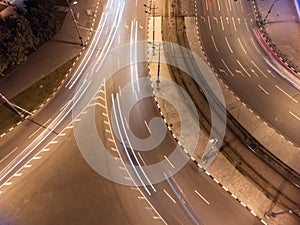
152, 11
274, 214
158, 65
19, 110
269, 11
74, 20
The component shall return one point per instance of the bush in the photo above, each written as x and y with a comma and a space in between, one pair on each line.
20, 34
41, 15
16, 39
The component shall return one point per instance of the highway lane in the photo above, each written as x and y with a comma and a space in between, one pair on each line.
176, 203
60, 188
126, 213
240, 155
26, 202
233, 45
57, 113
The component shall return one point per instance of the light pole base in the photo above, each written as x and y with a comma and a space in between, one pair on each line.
157, 83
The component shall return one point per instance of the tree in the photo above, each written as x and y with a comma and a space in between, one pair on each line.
41, 15
16, 40
4, 37
21, 32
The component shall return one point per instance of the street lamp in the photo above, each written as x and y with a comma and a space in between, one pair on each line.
152, 10
158, 66
274, 214
269, 11
173, 7
15, 107
74, 20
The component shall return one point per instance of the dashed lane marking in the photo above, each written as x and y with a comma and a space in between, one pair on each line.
228, 44
204, 199
9, 154
172, 199
267, 93
294, 115
239, 40
213, 40
284, 92
166, 158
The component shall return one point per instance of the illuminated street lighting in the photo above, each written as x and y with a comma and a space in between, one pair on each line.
15, 107
74, 20
158, 66
152, 11
269, 11
274, 214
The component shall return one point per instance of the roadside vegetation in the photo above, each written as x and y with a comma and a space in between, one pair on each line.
2, 7
26, 30
31, 98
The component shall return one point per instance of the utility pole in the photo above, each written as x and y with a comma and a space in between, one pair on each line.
152, 11
74, 20
158, 67
15, 107
173, 7
269, 11
274, 214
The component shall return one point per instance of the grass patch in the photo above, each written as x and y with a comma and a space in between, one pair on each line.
2, 7
31, 98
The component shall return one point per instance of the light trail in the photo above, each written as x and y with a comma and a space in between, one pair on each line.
124, 146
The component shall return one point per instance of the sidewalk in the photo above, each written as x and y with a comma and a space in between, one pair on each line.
62, 47
283, 27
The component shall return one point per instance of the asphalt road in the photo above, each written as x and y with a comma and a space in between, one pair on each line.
57, 185
233, 44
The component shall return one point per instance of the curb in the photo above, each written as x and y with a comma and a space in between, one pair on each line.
195, 161
188, 154
276, 52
